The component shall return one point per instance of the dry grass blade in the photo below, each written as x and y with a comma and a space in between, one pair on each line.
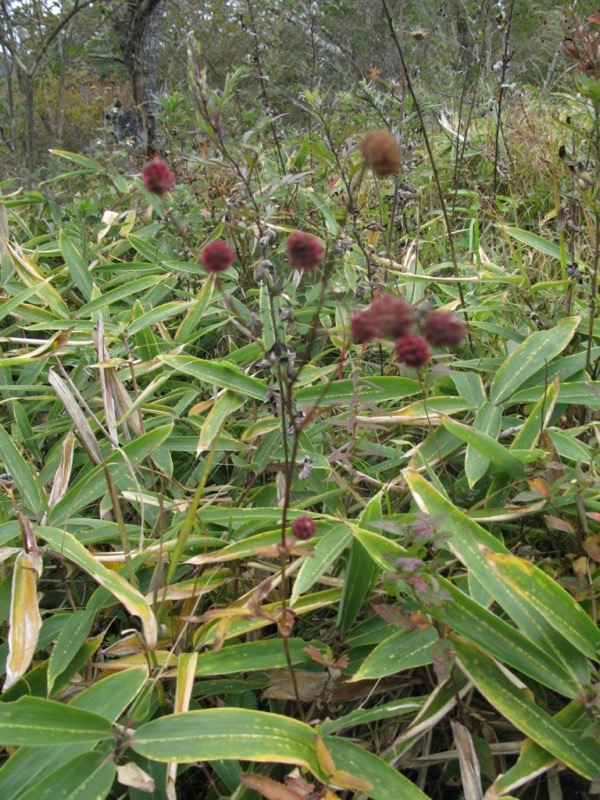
107, 396
469, 763
62, 474
83, 430
25, 619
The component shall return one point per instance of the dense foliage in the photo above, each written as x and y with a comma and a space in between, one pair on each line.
300, 449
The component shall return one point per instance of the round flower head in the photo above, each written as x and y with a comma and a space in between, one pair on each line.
392, 316
381, 153
303, 528
412, 350
217, 256
362, 327
157, 176
303, 250
443, 329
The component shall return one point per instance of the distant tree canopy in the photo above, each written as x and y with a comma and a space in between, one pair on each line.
62, 62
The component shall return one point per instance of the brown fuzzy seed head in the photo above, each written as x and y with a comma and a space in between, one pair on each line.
217, 256
443, 329
412, 350
381, 153
158, 176
303, 528
392, 316
362, 327
304, 251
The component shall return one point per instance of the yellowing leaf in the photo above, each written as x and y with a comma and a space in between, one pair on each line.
25, 620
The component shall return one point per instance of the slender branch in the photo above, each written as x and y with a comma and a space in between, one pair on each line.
434, 170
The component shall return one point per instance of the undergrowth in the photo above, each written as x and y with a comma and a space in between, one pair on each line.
258, 534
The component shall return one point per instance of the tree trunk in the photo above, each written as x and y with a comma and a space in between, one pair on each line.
139, 30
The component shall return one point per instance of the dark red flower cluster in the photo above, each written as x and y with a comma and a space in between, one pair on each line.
157, 176
392, 317
217, 256
443, 329
303, 528
304, 251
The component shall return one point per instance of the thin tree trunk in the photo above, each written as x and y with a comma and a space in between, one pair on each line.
139, 29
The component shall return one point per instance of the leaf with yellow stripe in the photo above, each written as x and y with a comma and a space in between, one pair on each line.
508, 696
557, 605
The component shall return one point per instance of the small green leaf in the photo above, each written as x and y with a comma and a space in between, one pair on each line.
76, 265
401, 651
488, 421
72, 636
224, 375
22, 474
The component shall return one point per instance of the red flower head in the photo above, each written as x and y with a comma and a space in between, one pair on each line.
391, 315
303, 528
412, 350
157, 176
304, 251
443, 329
217, 256
362, 327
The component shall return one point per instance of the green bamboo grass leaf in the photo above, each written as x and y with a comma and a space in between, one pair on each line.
514, 702
488, 421
251, 656
74, 633
159, 314
500, 640
360, 569
468, 541
34, 722
538, 419
321, 204
537, 242
77, 158
125, 290
10, 306
489, 447
228, 733
557, 605
401, 651
145, 341
67, 545
374, 389
224, 375
191, 321
386, 782
538, 349
89, 776
76, 265
327, 550
23, 475
395, 709
534, 760
93, 485
227, 404
108, 698
575, 393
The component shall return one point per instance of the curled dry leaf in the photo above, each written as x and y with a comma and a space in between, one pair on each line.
25, 620
272, 790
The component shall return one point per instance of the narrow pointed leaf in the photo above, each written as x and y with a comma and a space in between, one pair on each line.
67, 545
89, 776
34, 722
